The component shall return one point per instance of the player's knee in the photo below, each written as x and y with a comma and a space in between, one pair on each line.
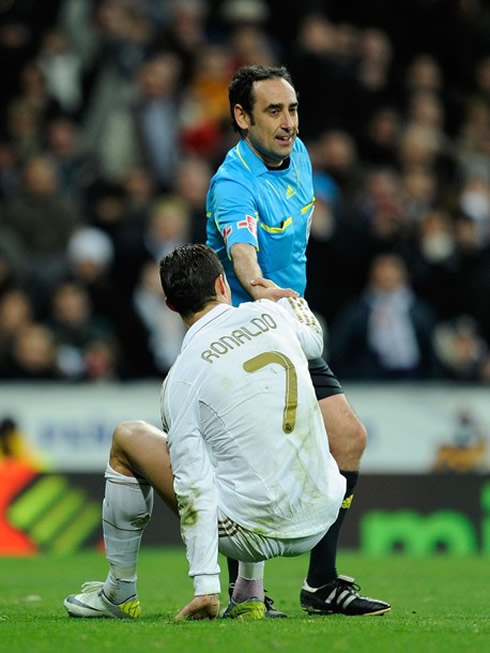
123, 435
359, 438
348, 444
125, 430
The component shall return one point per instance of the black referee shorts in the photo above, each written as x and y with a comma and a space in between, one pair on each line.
324, 380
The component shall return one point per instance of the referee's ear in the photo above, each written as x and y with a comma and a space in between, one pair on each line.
241, 117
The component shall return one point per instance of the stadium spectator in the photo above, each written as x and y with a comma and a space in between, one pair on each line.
191, 185
204, 108
162, 331
35, 96
155, 118
77, 170
75, 329
374, 85
183, 33
387, 332
62, 69
123, 43
433, 261
13, 264
474, 201
139, 245
462, 352
42, 219
24, 130
379, 142
31, 356
90, 260
9, 172
337, 155
16, 312
250, 43
139, 194
315, 60
471, 283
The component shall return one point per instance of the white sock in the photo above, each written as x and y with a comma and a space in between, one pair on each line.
250, 581
127, 508
309, 588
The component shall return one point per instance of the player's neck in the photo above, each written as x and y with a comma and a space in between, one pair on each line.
195, 317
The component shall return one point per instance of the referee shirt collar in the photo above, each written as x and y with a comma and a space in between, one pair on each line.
250, 159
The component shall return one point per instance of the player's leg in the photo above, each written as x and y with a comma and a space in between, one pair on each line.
347, 440
270, 611
247, 598
250, 581
247, 593
324, 591
138, 462
138, 459
140, 449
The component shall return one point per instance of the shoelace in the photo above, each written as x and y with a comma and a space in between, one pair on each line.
348, 585
268, 601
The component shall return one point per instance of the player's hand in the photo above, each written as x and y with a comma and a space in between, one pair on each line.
267, 289
205, 606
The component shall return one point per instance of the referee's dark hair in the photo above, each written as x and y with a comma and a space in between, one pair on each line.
188, 276
240, 90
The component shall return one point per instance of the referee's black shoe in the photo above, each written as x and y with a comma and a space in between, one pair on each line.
340, 596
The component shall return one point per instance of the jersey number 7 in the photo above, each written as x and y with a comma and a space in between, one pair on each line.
291, 395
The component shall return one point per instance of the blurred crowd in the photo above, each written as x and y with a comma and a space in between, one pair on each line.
114, 117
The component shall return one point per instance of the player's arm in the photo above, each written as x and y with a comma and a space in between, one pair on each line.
249, 274
304, 324
196, 497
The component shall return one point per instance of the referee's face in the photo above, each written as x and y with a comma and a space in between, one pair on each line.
273, 123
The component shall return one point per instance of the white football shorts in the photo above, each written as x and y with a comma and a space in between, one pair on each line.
238, 543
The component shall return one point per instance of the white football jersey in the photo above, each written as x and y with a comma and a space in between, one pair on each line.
245, 431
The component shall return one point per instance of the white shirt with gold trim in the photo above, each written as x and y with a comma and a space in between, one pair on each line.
245, 431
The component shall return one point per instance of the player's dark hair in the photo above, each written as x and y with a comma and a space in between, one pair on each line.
188, 275
240, 90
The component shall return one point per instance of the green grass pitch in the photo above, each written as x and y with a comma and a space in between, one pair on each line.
440, 604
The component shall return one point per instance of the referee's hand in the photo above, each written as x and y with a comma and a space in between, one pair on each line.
267, 289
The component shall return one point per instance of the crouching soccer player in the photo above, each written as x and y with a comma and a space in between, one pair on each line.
245, 459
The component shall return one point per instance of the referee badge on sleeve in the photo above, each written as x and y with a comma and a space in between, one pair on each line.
226, 232
249, 223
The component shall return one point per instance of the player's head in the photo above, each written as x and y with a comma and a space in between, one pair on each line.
263, 107
189, 277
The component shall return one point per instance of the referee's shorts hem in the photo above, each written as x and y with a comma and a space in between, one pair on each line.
324, 380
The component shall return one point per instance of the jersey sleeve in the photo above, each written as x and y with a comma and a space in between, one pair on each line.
235, 213
194, 486
304, 323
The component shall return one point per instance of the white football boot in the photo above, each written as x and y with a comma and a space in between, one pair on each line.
92, 602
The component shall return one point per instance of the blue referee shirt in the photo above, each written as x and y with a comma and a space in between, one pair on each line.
269, 209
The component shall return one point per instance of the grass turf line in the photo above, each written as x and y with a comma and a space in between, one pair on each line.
440, 604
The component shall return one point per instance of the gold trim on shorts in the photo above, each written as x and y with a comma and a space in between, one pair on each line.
227, 527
